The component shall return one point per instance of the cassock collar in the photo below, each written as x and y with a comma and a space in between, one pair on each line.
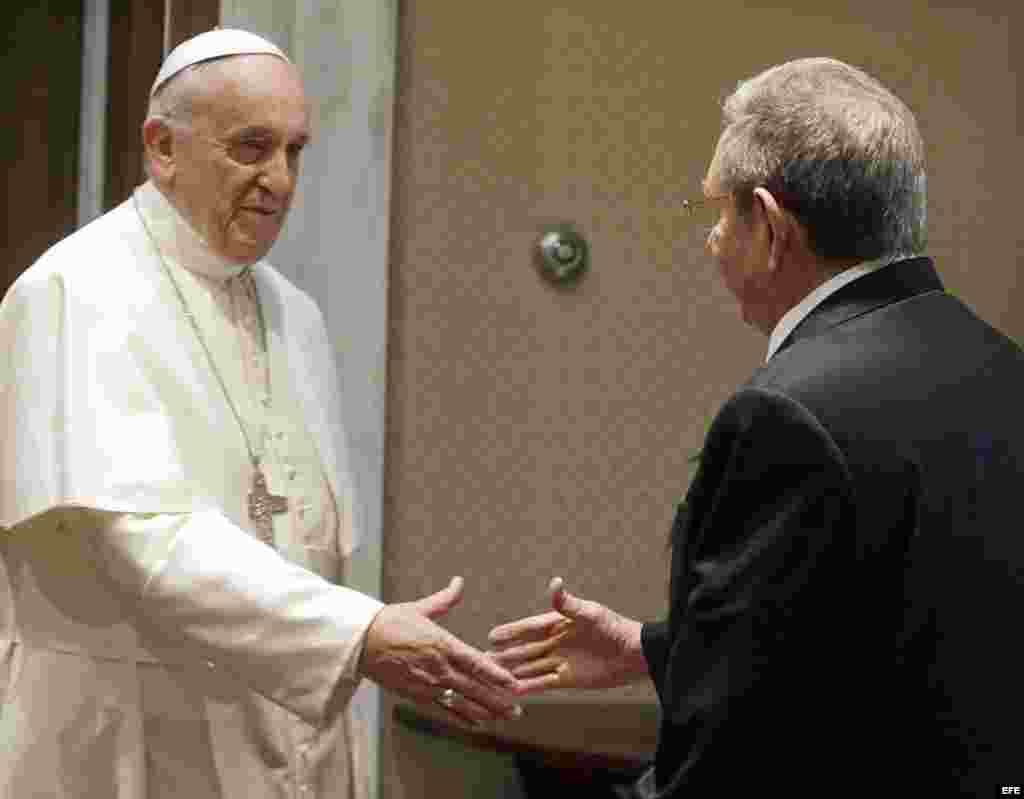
898, 281
178, 241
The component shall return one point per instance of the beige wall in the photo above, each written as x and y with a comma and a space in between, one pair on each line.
534, 432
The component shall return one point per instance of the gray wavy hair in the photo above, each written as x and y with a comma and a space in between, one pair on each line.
174, 100
837, 149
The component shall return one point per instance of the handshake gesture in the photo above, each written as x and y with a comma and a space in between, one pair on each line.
577, 645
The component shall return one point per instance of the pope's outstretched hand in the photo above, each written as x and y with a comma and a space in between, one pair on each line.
581, 644
406, 652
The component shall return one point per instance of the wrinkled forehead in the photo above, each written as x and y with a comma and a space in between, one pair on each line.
249, 89
257, 75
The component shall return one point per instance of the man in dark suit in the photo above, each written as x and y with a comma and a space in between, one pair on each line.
847, 576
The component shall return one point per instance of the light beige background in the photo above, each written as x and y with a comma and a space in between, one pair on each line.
535, 432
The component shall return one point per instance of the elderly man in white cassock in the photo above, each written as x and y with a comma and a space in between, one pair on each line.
175, 497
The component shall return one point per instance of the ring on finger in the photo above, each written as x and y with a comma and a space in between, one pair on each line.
447, 698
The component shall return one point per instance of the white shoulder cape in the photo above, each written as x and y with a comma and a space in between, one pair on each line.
107, 401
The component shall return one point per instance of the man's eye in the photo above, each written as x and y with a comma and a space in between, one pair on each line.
248, 152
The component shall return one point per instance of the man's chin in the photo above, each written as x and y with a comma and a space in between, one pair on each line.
244, 251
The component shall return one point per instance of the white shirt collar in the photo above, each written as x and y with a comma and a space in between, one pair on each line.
178, 241
795, 315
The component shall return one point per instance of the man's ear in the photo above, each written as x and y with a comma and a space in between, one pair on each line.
779, 226
160, 149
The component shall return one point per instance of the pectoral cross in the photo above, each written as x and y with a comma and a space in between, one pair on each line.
263, 506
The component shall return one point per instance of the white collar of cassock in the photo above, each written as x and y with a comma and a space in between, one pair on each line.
178, 241
795, 315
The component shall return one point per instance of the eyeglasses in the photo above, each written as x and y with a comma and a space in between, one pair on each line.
704, 208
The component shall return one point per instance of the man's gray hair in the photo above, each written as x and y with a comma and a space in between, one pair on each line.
172, 102
837, 149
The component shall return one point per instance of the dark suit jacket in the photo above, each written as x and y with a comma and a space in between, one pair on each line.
846, 600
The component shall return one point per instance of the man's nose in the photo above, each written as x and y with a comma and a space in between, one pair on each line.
279, 175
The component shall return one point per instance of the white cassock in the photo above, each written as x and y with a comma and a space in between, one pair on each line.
150, 645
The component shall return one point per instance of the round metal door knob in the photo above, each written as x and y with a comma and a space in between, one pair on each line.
562, 254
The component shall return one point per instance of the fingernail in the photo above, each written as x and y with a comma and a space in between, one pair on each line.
516, 712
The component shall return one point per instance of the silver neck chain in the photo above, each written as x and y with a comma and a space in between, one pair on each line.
253, 456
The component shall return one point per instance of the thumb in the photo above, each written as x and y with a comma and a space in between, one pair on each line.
564, 602
437, 604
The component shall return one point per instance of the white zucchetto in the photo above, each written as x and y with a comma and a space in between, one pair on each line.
217, 43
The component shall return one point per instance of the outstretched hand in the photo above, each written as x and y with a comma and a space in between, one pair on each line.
406, 652
581, 644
